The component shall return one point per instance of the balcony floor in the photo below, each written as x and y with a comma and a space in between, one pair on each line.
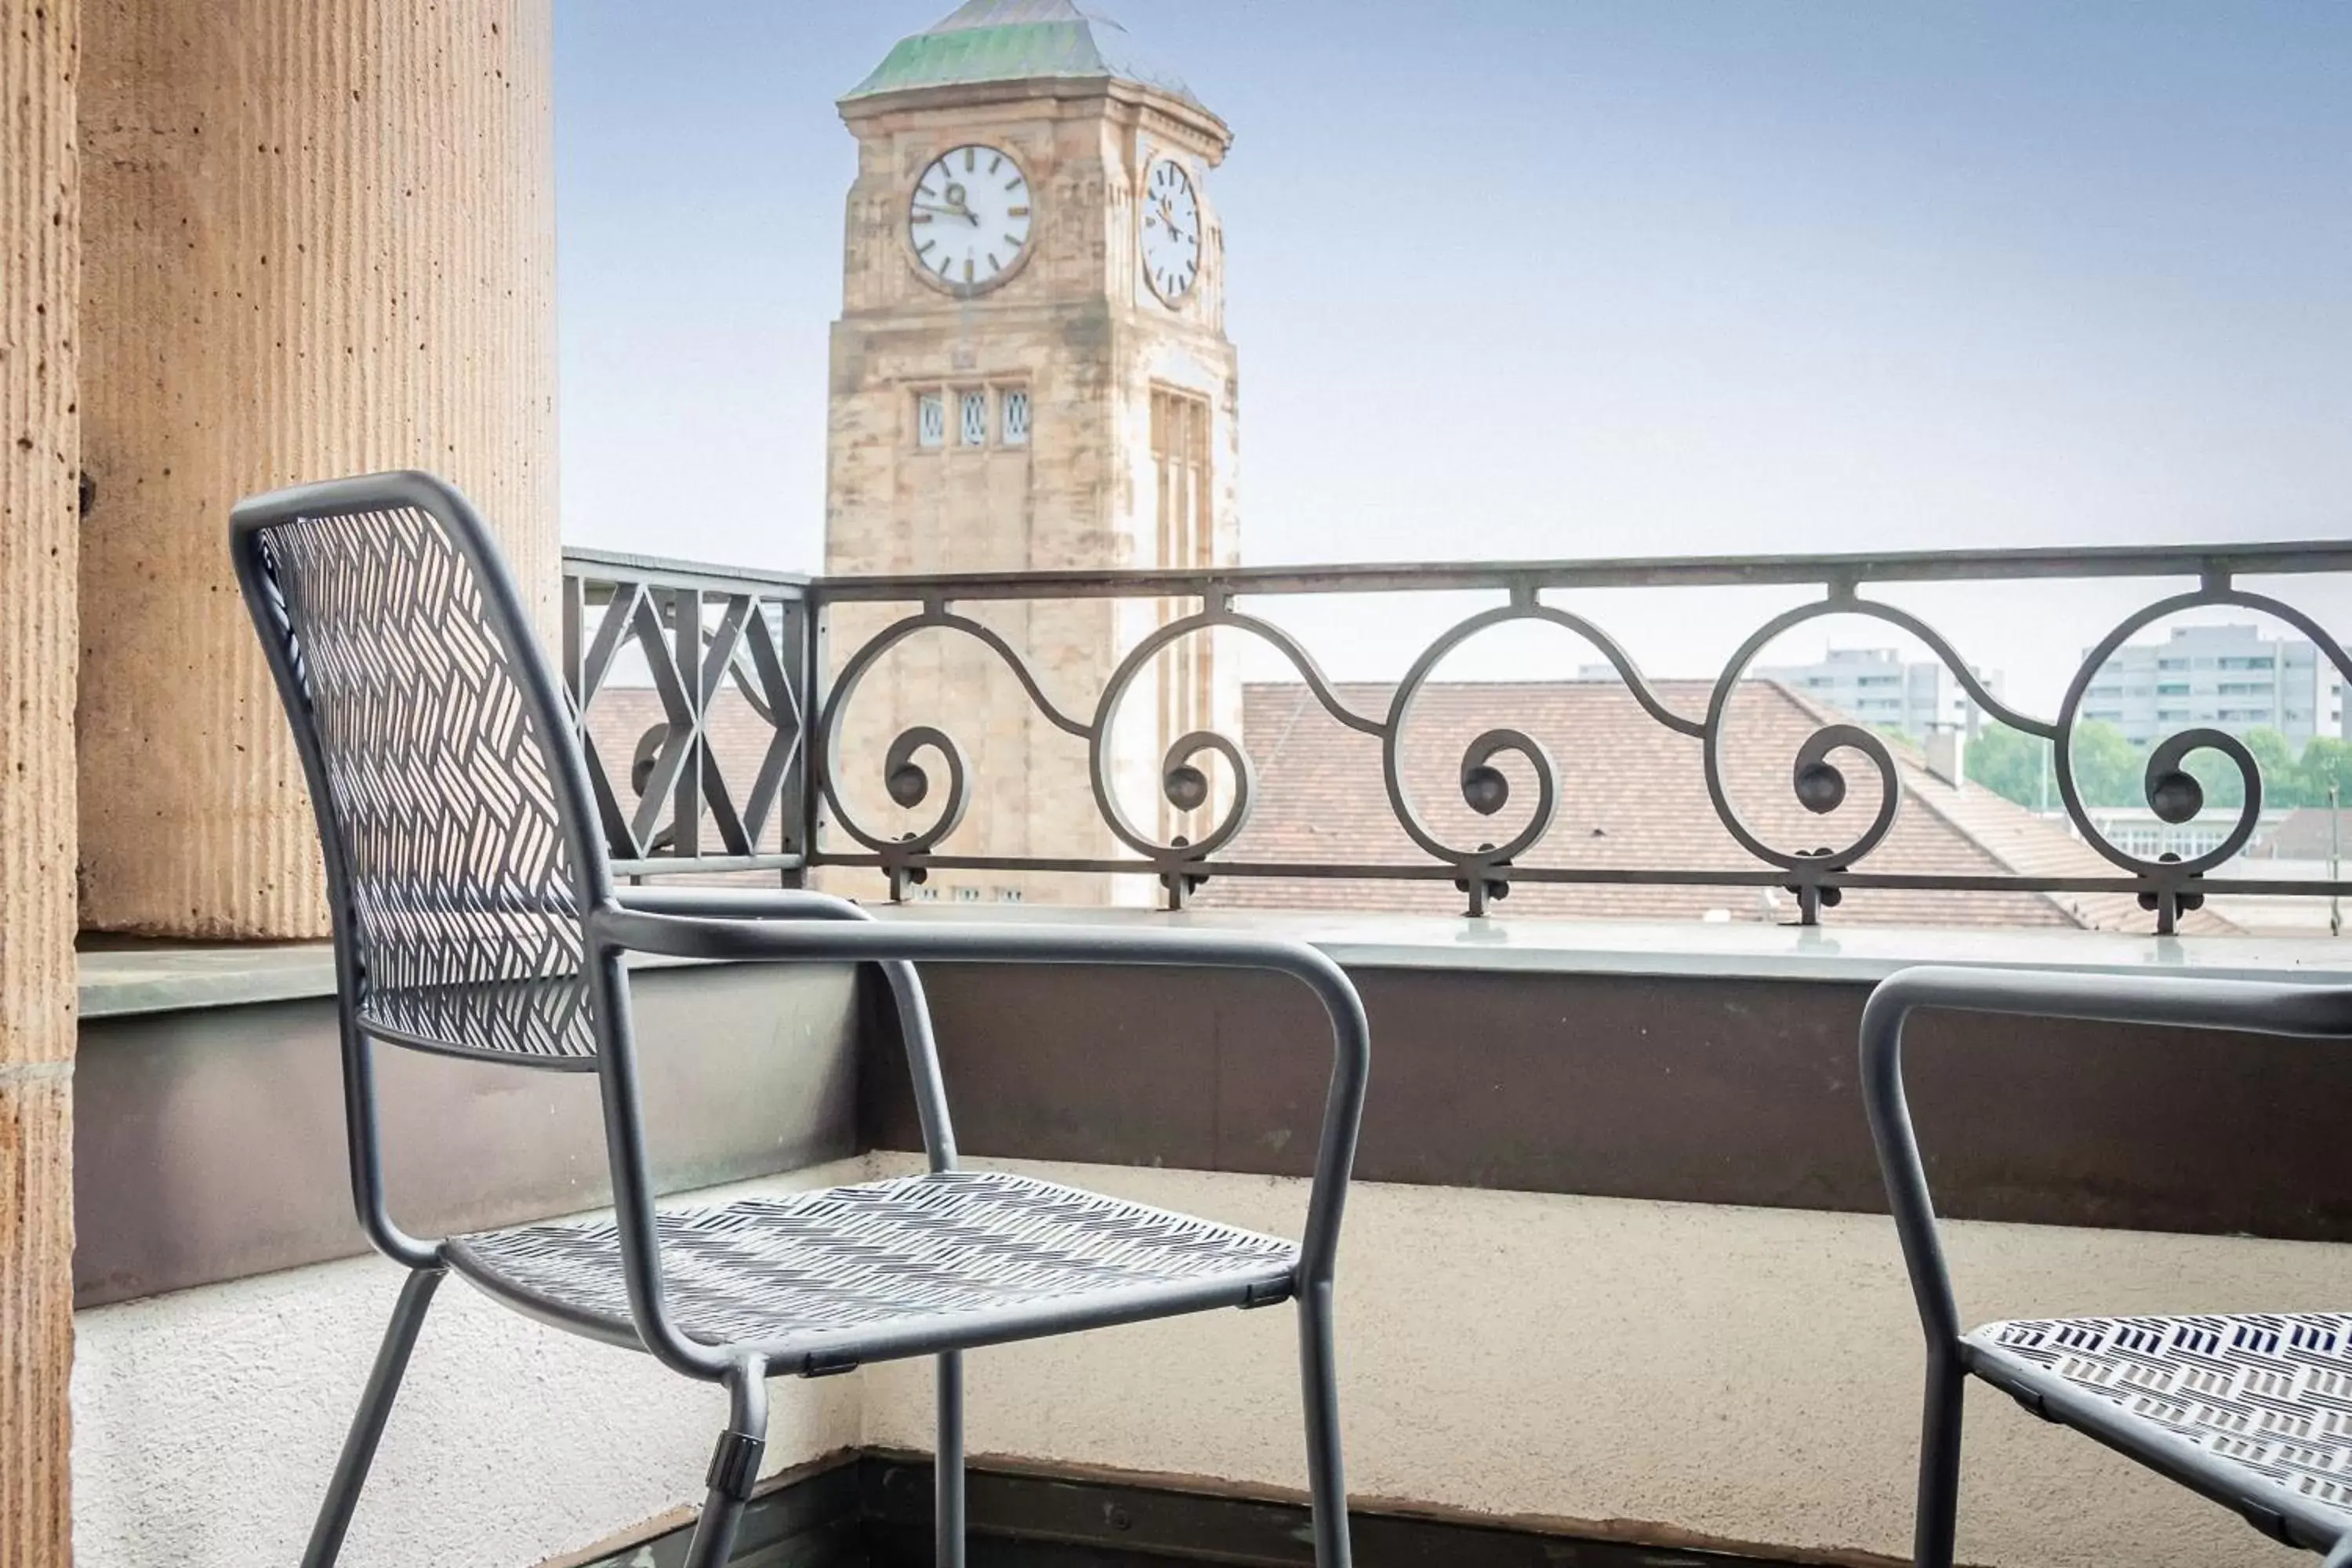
873, 1510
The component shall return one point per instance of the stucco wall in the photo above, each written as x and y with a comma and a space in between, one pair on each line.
1749, 1374
1744, 1374
206, 1422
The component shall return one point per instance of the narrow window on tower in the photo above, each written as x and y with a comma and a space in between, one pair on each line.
930, 418
1013, 429
975, 418
1188, 540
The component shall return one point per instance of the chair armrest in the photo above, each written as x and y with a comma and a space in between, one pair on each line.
644, 930
2268, 1007
906, 987
739, 903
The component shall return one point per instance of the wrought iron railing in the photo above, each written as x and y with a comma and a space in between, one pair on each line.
699, 630
687, 633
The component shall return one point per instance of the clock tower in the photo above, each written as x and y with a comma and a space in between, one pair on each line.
1030, 371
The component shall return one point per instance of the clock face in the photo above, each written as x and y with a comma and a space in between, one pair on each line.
968, 219
1172, 230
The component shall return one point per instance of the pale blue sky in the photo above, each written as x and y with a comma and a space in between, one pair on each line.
1582, 277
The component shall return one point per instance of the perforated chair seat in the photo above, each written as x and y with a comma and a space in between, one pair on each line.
2271, 1395
984, 1255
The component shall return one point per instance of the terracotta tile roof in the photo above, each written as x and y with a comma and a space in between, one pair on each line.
2026, 843
1632, 794
2304, 834
2034, 846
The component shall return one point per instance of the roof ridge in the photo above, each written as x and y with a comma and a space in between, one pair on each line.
1964, 812
999, 12
1925, 787
1289, 727
1967, 810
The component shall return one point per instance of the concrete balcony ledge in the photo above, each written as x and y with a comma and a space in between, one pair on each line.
1692, 949
126, 978
123, 979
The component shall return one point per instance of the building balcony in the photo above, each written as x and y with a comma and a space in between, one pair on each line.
1617, 1286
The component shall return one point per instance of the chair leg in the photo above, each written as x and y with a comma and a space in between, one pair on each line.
367, 1424
947, 1464
1939, 1459
734, 1466
1327, 1481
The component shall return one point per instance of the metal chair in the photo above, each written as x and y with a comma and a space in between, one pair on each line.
2253, 1410
475, 915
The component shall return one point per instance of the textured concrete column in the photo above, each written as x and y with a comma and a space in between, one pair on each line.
320, 241
39, 230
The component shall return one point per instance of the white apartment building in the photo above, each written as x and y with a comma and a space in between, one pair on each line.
2227, 678
1875, 686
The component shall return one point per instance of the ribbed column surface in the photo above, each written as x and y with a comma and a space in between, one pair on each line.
320, 241
40, 258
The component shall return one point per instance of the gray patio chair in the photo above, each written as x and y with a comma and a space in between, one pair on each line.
2253, 1410
475, 915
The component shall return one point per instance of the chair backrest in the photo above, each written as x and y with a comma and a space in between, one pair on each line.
451, 800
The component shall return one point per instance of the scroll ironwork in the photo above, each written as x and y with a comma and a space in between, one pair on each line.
701, 629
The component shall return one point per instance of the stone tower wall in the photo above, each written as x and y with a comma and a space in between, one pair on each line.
1076, 328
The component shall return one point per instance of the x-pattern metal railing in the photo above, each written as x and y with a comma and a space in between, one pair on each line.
694, 634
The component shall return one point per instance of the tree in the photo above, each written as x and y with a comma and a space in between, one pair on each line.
2324, 762
2012, 764
2275, 755
2108, 769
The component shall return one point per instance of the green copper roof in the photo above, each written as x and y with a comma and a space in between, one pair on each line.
1013, 40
